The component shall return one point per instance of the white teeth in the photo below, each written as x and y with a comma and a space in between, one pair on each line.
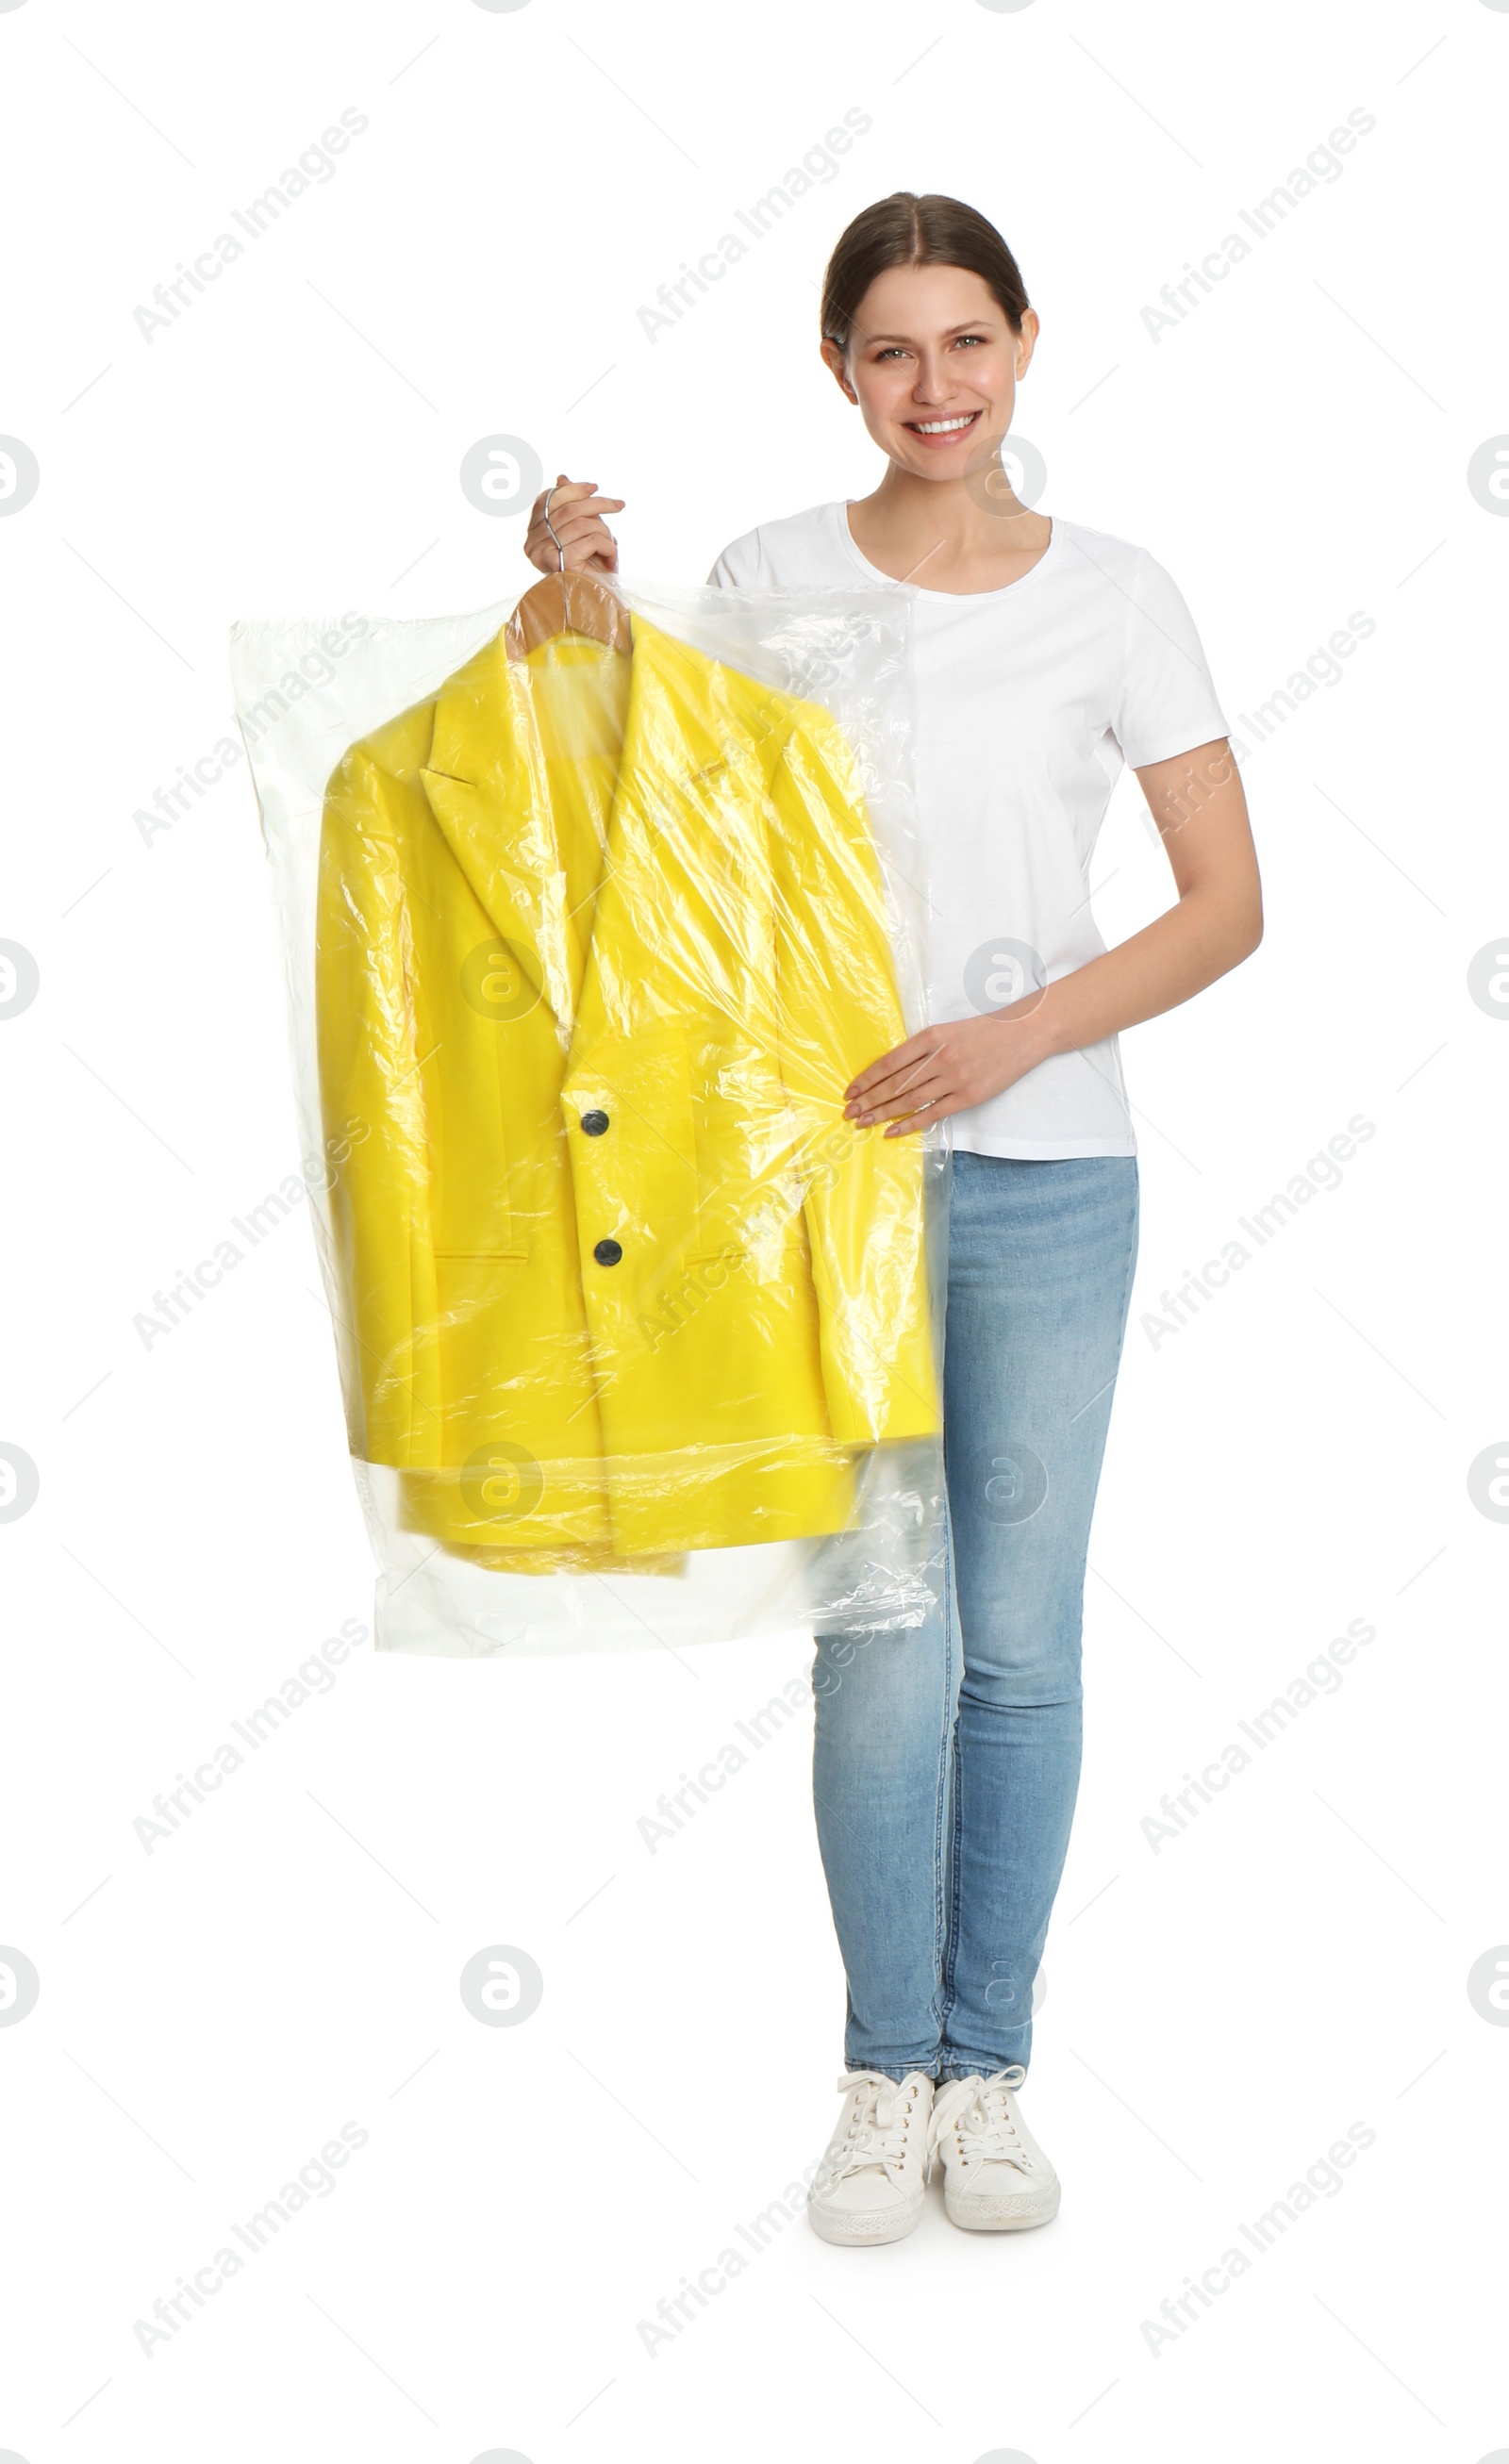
939, 427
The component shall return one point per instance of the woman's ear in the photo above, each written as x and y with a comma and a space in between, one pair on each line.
836, 361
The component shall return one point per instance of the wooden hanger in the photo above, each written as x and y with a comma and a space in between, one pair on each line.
567, 602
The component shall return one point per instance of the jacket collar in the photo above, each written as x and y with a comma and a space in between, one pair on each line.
529, 837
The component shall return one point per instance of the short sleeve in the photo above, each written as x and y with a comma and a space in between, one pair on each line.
1168, 703
740, 566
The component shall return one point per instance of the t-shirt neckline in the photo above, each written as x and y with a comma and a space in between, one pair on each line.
857, 555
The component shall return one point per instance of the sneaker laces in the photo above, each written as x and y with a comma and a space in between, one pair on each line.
978, 2111
873, 2128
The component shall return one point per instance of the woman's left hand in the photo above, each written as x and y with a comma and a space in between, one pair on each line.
946, 1068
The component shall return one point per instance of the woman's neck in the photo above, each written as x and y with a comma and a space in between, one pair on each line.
960, 536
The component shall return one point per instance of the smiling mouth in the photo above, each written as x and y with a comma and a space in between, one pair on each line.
943, 431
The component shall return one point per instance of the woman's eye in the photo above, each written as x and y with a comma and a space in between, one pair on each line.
971, 338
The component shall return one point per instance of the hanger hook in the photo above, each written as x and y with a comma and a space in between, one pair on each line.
559, 549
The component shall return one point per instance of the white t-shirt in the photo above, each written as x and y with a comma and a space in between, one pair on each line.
1028, 701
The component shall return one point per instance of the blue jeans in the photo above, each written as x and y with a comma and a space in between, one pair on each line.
947, 1760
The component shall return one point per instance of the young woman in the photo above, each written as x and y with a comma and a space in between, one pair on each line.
1046, 654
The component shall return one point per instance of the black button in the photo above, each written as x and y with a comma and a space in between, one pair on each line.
593, 1124
607, 1253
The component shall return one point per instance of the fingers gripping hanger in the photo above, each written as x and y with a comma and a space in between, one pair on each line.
566, 603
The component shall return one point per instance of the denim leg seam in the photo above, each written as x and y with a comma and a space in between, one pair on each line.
1131, 1267
940, 1822
944, 1926
950, 1997
939, 1842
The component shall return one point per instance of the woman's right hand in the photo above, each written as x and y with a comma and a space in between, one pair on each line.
576, 514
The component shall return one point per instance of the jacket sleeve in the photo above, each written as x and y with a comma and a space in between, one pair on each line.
863, 1194
382, 1265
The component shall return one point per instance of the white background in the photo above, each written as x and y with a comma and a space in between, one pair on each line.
1219, 2012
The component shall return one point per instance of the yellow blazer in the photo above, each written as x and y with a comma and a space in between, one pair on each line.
600, 942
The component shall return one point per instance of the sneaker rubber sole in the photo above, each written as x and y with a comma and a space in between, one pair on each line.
984, 2211
856, 2227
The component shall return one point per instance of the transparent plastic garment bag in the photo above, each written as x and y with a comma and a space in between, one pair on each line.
590, 911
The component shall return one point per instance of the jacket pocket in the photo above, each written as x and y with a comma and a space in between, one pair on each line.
473, 1286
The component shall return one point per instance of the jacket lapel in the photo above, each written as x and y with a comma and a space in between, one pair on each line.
522, 806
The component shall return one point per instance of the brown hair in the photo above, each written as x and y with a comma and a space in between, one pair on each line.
907, 230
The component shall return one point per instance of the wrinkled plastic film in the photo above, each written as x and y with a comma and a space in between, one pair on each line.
588, 919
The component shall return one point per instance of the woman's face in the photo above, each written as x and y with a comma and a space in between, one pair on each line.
933, 364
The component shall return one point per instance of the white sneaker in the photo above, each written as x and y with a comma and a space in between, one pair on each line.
872, 2182
996, 2178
